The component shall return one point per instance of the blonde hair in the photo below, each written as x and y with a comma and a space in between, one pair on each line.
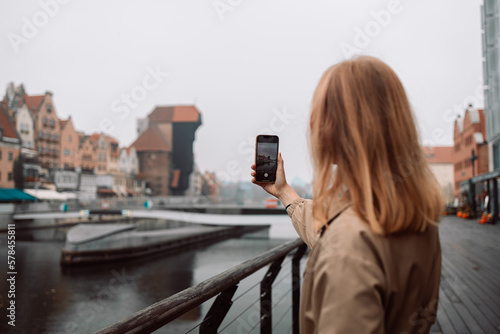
361, 121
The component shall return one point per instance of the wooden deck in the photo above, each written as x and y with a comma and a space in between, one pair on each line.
469, 298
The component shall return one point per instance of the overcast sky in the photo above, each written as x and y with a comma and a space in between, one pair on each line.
249, 66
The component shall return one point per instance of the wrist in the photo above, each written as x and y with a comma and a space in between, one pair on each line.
287, 195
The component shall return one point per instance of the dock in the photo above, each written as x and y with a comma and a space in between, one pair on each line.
469, 296
90, 244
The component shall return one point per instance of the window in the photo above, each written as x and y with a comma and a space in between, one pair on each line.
47, 136
40, 149
49, 107
0, 155
69, 138
102, 145
66, 151
54, 137
10, 156
52, 123
44, 121
9, 176
468, 140
54, 151
47, 150
40, 134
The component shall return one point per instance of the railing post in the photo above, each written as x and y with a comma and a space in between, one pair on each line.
218, 311
296, 287
266, 307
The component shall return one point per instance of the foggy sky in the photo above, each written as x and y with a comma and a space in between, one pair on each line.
249, 66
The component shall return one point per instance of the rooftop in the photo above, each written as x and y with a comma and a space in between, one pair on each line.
151, 140
175, 114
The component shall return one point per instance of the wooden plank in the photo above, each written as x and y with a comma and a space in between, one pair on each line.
455, 319
466, 309
443, 320
470, 288
483, 301
482, 285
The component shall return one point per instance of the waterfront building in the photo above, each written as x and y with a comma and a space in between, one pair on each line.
47, 129
87, 186
441, 162
469, 136
101, 152
10, 147
25, 126
128, 161
195, 182
65, 180
176, 126
69, 145
87, 154
112, 154
154, 155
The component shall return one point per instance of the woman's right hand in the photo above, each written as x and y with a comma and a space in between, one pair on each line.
280, 188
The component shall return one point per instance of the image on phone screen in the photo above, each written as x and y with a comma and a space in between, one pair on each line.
266, 158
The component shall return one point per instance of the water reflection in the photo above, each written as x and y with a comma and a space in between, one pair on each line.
55, 299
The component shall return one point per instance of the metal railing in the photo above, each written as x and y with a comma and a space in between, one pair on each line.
224, 285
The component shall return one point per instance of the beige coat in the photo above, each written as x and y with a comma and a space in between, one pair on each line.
357, 282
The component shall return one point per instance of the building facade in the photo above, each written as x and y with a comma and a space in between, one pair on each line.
490, 24
469, 136
87, 154
177, 126
112, 154
47, 129
154, 155
10, 148
69, 146
128, 161
441, 162
25, 126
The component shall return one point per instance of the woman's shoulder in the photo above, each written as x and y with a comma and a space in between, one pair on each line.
350, 235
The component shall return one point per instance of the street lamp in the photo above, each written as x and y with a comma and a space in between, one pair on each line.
471, 183
473, 158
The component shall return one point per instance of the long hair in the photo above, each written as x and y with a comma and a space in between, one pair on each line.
361, 121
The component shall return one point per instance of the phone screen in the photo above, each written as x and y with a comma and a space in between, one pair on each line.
266, 158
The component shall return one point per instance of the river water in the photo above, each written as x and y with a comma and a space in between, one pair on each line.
54, 299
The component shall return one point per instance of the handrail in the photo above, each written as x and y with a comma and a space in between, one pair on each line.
161, 313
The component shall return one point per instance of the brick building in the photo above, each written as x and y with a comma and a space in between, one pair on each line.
112, 154
154, 154
177, 126
87, 154
469, 134
47, 129
441, 162
69, 145
10, 147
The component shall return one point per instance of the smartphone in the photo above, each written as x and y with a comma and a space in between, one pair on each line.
266, 158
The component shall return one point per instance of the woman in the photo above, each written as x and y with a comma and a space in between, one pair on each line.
375, 260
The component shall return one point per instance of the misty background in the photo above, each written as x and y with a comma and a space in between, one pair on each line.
249, 66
